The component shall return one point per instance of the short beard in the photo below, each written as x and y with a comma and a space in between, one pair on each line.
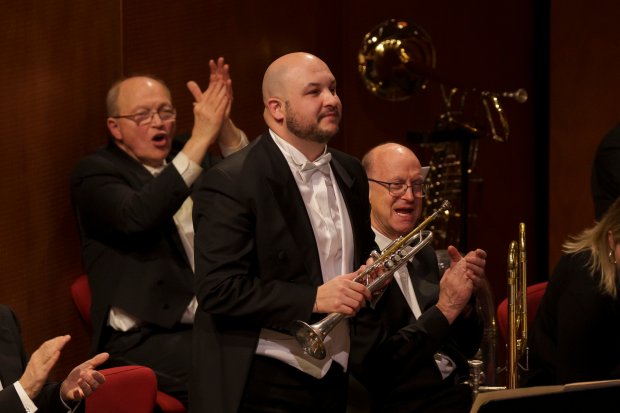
309, 133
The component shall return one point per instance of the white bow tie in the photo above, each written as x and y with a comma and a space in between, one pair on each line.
307, 169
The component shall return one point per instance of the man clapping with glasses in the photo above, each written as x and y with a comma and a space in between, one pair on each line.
133, 206
410, 349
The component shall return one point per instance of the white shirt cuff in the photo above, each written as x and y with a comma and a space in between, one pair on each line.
188, 169
29, 405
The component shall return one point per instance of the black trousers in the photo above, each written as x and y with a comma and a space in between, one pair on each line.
276, 387
167, 352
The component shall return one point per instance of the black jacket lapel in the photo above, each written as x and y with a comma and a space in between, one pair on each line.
292, 207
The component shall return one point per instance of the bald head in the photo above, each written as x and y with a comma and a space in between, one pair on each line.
285, 70
301, 103
130, 84
381, 156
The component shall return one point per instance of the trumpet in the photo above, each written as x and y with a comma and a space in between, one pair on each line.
394, 256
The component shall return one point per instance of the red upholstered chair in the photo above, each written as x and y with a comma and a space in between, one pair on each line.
534, 294
127, 389
80, 291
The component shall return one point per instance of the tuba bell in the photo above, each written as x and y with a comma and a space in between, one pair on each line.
394, 58
397, 58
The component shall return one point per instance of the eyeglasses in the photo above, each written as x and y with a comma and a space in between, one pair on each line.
399, 188
145, 117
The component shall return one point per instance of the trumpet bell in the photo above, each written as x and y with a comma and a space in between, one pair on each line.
310, 337
393, 59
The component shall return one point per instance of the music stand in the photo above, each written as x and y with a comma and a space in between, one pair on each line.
585, 397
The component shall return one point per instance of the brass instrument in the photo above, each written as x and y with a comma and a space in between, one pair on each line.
454, 116
517, 309
397, 58
375, 277
483, 367
516, 346
394, 59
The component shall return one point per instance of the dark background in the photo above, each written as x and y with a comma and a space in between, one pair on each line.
59, 58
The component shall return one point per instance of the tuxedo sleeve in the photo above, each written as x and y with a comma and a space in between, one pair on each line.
107, 204
10, 401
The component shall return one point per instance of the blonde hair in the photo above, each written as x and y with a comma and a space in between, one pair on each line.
594, 240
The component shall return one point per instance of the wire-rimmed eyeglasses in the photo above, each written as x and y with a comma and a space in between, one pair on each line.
400, 188
144, 117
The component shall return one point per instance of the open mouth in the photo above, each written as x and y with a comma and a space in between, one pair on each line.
160, 139
403, 212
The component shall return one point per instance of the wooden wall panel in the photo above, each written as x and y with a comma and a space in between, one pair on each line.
584, 67
176, 43
58, 58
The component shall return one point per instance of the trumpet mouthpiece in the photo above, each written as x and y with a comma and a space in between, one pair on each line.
445, 205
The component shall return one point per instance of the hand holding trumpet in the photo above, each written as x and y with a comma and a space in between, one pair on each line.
341, 295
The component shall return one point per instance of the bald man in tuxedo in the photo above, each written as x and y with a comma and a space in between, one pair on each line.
410, 348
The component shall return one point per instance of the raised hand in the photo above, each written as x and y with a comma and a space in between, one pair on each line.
476, 262
212, 114
210, 108
231, 138
456, 286
220, 72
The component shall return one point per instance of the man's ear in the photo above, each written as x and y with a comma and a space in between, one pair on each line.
114, 129
276, 109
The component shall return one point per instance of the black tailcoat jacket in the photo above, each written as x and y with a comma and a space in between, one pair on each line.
131, 248
393, 352
257, 262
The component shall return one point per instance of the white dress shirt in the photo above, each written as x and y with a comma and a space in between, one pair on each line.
334, 237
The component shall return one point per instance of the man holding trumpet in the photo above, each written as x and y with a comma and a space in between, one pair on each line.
281, 228
410, 348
